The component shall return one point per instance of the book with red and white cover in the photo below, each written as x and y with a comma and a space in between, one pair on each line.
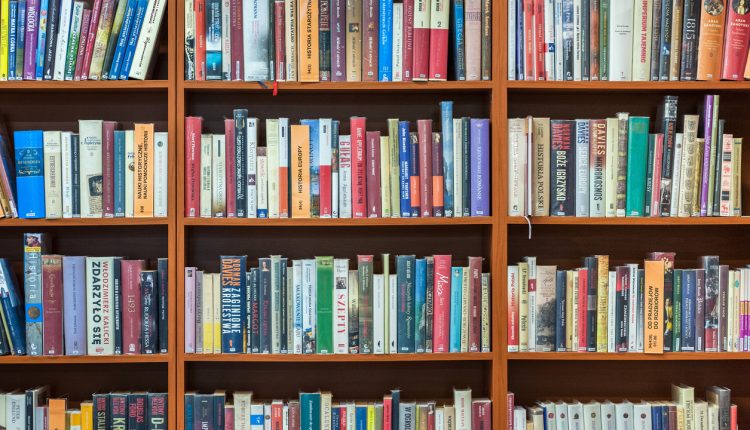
442, 304
513, 293
131, 305
439, 19
424, 134
230, 171
193, 127
421, 65
582, 308
326, 134
374, 206
736, 42
284, 142
358, 127
408, 37
200, 39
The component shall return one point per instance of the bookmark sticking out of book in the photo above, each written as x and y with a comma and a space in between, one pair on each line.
275, 88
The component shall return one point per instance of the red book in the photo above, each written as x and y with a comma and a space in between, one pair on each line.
91, 38
481, 414
421, 64
736, 43
656, 183
294, 421
439, 17
280, 40
200, 39
387, 413
374, 205
528, 37
583, 275
325, 170
237, 53
424, 132
539, 46
510, 407
228, 418
130, 272
108, 169
441, 315
193, 125
231, 168
343, 421
277, 415
437, 175
431, 416
52, 304
357, 127
475, 308
370, 41
85, 22
408, 35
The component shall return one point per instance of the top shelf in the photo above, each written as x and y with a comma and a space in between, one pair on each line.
627, 85
338, 86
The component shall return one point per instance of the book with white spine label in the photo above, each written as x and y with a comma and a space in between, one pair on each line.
52, 174
206, 176
67, 174
218, 173
90, 142
161, 174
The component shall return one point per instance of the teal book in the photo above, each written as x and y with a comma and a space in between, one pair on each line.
457, 275
309, 404
635, 199
405, 318
29, 146
420, 295
324, 341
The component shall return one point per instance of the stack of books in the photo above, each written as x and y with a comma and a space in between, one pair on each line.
617, 167
318, 411
338, 40
319, 306
98, 172
628, 40
312, 170
654, 309
35, 409
70, 40
82, 305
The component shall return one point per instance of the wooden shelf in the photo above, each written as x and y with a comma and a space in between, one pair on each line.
82, 222
604, 86
338, 358
338, 86
335, 222
84, 359
84, 85
627, 356
631, 221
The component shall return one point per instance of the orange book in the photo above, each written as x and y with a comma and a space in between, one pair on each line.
301, 170
309, 62
653, 332
56, 413
711, 40
144, 171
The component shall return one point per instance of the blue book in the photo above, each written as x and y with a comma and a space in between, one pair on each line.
30, 173
203, 411
335, 418
385, 45
404, 141
406, 286
560, 304
519, 31
213, 40
309, 406
218, 405
360, 418
480, 166
12, 309
127, 61
189, 411
233, 292
414, 169
122, 39
41, 39
688, 310
459, 41
420, 299
256, 419
314, 125
12, 38
119, 191
656, 417
395, 415
74, 300
457, 275
446, 119
20, 38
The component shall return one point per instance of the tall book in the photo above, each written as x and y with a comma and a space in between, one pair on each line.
711, 40
620, 41
324, 302
309, 60
74, 299
100, 305
233, 293
90, 132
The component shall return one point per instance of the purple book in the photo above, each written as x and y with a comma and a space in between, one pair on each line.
74, 299
708, 116
480, 166
29, 52
190, 277
338, 40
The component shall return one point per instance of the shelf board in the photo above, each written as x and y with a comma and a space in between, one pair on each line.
338, 86
335, 222
82, 222
634, 221
84, 359
84, 85
627, 86
338, 358
627, 356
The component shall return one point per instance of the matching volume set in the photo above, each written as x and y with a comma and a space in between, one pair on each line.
338, 40
319, 306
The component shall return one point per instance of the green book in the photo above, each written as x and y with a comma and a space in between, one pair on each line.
650, 174
716, 142
677, 310
364, 275
324, 320
603, 40
636, 177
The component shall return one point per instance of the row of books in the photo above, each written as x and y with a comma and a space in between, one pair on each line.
338, 40
628, 40
66, 40
97, 172
312, 170
75, 305
626, 308
36, 409
616, 167
319, 306
682, 411
318, 411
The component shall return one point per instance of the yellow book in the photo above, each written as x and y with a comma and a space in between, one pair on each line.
370, 416
4, 24
207, 309
144, 171
602, 297
73, 419
301, 171
56, 411
217, 313
309, 62
87, 415
653, 334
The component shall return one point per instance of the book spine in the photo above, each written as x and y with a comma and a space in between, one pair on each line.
230, 170
156, 412
446, 116
144, 171
438, 191
149, 305
439, 24
41, 42
100, 305
669, 129
324, 39
142, 39
34, 246
53, 22
233, 290
324, 166
108, 167
359, 196
279, 40
564, 157
582, 168
385, 41
421, 40
665, 39
338, 40
131, 305
414, 181
370, 40
74, 300
689, 49
459, 42
710, 42
408, 38
597, 166
424, 128
103, 31
480, 167
52, 174
309, 63
32, 24
706, 173
620, 41
114, 38
735, 44
192, 165
365, 300
324, 304
404, 142
52, 292
118, 198
162, 271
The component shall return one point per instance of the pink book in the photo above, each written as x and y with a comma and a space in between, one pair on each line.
130, 272
52, 300
442, 304
85, 23
235, 17
408, 35
358, 125
374, 204
439, 40
387, 412
193, 125
325, 178
190, 276
473, 38
513, 310
279, 40
475, 308
108, 169
228, 418
656, 182
583, 276
231, 168
93, 26
424, 134
421, 65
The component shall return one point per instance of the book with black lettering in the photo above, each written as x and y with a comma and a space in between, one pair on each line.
149, 304
591, 265
156, 414
429, 302
264, 289
563, 166
162, 271
405, 278
137, 411
117, 308
100, 305
668, 127
102, 417
284, 314
691, 13
118, 407
240, 161
668, 259
254, 316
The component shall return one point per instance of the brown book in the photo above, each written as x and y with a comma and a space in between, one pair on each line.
370, 40
52, 304
711, 40
108, 168
475, 304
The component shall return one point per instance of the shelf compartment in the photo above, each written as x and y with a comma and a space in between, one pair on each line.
606, 86
336, 222
83, 359
338, 358
337, 86
603, 356
630, 221
82, 222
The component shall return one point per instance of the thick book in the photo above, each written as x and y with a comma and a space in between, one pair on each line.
149, 310
690, 30
100, 305
52, 293
29, 161
324, 302
439, 42
53, 174
91, 175
636, 165
309, 60
421, 40
480, 166
131, 305
620, 41
405, 272
424, 134
654, 302
358, 138
736, 41
370, 40
74, 299
711, 41
562, 168
365, 299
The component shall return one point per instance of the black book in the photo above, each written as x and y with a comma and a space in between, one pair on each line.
156, 414
656, 38
203, 411
691, 13
585, 40
665, 51
118, 407
406, 284
162, 266
591, 265
218, 405
622, 308
254, 300
53, 20
429, 302
76, 179
563, 165
117, 308
240, 161
149, 304
668, 127
136, 411
561, 284
102, 417
283, 300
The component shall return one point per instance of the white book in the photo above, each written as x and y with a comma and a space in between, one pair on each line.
610, 168
345, 176
517, 166
292, 35
398, 42
511, 41
612, 311
378, 313
90, 133
633, 309
549, 40
701, 415
262, 161
267, 416
691, 160
161, 174
242, 402
592, 414
642, 416
577, 39
324, 139
147, 39
272, 161
285, 416
392, 314
341, 306
297, 298
255, 18
129, 173
53, 174
100, 305
226, 40
642, 26
439, 418
575, 415
284, 142
61, 48
290, 305
620, 40
75, 28
218, 176
206, 176
561, 415
607, 414
558, 40
67, 174
252, 154
309, 294
15, 411
385, 177
207, 313
351, 411
513, 306
462, 403
519, 417
676, 174
549, 414
624, 415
